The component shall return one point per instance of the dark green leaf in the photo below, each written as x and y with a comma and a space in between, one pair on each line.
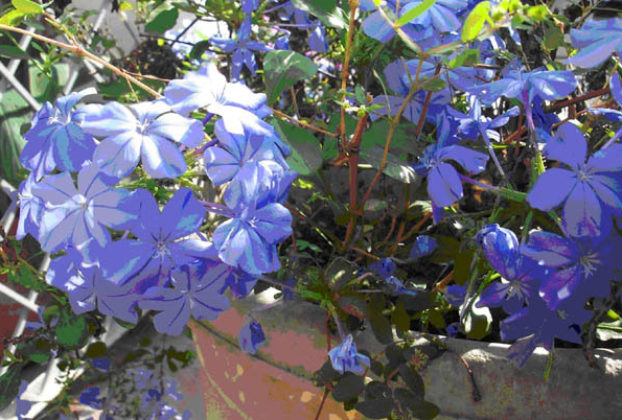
72, 330
415, 11
325, 10
425, 411
467, 58
375, 409
348, 387
436, 318
416, 303
284, 68
14, 113
400, 318
325, 374
377, 390
11, 51
406, 399
198, 49
96, 350
163, 18
9, 385
413, 380
396, 168
395, 355
432, 84
553, 37
339, 272
306, 154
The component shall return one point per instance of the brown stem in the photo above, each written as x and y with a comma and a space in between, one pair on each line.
353, 150
81, 52
303, 124
354, 4
580, 98
417, 226
443, 283
319, 410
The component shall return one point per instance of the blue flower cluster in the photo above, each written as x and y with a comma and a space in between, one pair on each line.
75, 197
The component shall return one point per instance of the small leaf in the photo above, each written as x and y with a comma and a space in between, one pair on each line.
96, 350
436, 318
381, 327
284, 68
413, 380
164, 17
377, 390
415, 12
12, 18
475, 21
425, 411
198, 49
306, 154
433, 84
72, 330
11, 51
9, 384
375, 409
325, 10
553, 37
400, 318
325, 374
467, 58
348, 387
27, 7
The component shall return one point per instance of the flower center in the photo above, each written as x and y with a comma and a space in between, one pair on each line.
589, 263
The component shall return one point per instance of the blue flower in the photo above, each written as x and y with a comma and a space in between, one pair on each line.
345, 358
589, 191
317, 35
540, 83
89, 397
444, 185
195, 291
163, 241
519, 274
225, 160
147, 132
596, 40
31, 209
248, 240
75, 216
579, 266
242, 48
251, 337
56, 139
537, 325
234, 102
23, 406
424, 245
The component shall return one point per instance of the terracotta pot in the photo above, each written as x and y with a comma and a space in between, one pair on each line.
275, 383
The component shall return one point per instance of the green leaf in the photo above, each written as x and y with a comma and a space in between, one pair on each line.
9, 384
414, 12
284, 68
436, 318
325, 10
375, 409
12, 51
425, 411
15, 113
400, 318
553, 37
12, 18
395, 168
198, 49
72, 330
96, 350
405, 398
413, 380
325, 374
433, 84
163, 18
475, 21
27, 7
306, 154
477, 322
467, 58
348, 387
380, 325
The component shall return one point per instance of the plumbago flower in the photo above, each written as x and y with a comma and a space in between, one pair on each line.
238, 106
248, 240
400, 76
317, 33
590, 191
444, 185
31, 209
234, 151
242, 48
75, 216
196, 290
520, 275
56, 139
576, 266
251, 336
145, 132
163, 241
597, 40
345, 358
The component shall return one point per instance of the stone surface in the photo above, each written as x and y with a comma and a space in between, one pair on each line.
275, 381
